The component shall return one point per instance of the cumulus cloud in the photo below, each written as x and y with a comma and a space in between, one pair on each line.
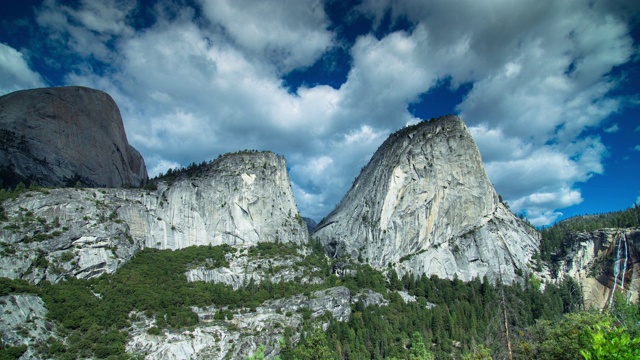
198, 82
539, 74
290, 33
88, 29
15, 73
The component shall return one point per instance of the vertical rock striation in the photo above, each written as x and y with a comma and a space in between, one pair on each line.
240, 200
58, 136
600, 261
424, 205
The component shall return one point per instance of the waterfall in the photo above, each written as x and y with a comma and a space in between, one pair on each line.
624, 268
616, 271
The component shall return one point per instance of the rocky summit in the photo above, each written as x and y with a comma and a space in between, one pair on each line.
61, 136
424, 205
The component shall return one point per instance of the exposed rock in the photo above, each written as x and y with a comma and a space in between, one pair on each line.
58, 136
406, 297
602, 260
242, 200
242, 269
23, 322
239, 337
311, 224
424, 205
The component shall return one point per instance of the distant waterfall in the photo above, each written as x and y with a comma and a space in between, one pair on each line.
624, 268
616, 266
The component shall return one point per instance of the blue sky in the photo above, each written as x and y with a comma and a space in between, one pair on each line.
548, 89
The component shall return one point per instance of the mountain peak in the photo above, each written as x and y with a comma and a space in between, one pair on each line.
59, 136
424, 204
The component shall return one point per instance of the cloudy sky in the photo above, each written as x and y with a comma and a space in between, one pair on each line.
548, 89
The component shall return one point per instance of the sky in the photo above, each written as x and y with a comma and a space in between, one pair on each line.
548, 89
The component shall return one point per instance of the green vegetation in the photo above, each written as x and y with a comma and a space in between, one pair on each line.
12, 352
269, 250
449, 319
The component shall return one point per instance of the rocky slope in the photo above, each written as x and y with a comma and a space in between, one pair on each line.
239, 337
603, 261
23, 323
424, 205
59, 136
241, 199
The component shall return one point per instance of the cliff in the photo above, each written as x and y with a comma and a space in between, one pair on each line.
241, 199
601, 262
424, 205
59, 136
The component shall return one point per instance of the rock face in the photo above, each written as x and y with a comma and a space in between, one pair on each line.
242, 199
58, 136
23, 322
243, 268
239, 337
424, 204
311, 224
603, 261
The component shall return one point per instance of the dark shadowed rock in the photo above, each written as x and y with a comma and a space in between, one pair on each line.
311, 224
59, 136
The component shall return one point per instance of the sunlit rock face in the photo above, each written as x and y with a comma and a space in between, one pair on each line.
240, 200
424, 205
240, 337
59, 136
602, 261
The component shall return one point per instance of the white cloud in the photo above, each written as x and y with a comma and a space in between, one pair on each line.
539, 73
636, 148
161, 166
289, 33
612, 129
89, 27
191, 88
15, 73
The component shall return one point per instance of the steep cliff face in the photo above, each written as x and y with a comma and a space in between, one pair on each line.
424, 205
58, 136
242, 199
602, 262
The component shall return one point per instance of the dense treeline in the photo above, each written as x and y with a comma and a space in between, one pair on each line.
553, 238
468, 324
451, 316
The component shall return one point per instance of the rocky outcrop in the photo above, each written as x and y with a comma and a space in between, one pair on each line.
239, 337
424, 205
241, 199
242, 269
23, 322
59, 136
602, 262
311, 224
